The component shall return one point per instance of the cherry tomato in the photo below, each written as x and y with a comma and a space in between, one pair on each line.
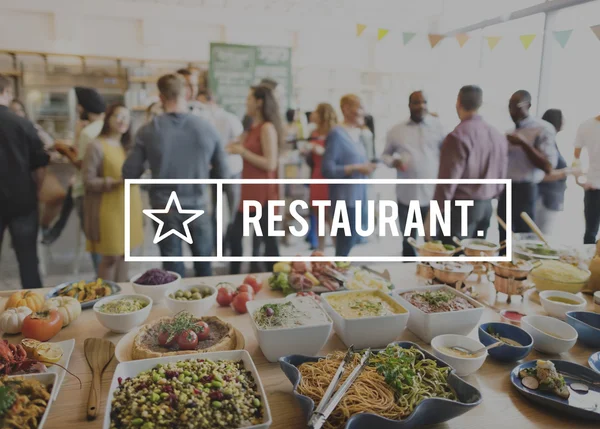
42, 325
240, 300
245, 288
187, 340
252, 280
163, 339
224, 296
203, 330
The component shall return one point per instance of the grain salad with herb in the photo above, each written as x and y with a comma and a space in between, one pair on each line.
188, 394
437, 301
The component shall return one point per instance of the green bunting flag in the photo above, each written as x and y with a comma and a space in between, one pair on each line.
562, 37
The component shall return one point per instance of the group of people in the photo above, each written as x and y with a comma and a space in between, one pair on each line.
188, 136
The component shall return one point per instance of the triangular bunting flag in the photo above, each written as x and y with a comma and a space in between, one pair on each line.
434, 39
492, 41
462, 38
526, 40
359, 29
596, 30
562, 37
381, 33
407, 37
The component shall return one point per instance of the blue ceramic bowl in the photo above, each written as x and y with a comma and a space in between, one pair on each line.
505, 353
429, 411
594, 362
587, 325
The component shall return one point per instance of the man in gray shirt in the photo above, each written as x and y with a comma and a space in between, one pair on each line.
532, 154
179, 145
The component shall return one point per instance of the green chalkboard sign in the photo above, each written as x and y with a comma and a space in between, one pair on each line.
234, 68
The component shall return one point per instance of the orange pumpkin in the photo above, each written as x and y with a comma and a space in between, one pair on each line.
26, 299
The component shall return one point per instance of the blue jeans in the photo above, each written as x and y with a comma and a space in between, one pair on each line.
202, 244
344, 243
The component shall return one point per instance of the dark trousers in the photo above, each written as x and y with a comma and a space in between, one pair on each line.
202, 242
591, 201
78, 203
407, 249
236, 239
344, 243
524, 197
478, 219
23, 231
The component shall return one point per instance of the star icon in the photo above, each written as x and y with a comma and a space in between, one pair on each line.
173, 200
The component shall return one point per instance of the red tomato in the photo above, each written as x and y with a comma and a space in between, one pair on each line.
203, 330
42, 325
252, 280
245, 288
163, 337
240, 300
187, 340
224, 296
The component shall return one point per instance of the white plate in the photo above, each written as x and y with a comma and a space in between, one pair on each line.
132, 369
67, 348
123, 348
45, 378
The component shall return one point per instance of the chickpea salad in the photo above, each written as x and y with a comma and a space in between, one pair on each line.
188, 394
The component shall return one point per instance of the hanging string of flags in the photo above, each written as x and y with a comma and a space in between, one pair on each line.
562, 37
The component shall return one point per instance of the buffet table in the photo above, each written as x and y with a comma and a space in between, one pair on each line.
502, 406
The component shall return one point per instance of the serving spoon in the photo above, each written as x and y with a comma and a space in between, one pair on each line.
476, 352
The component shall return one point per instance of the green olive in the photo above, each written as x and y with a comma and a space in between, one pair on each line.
187, 294
194, 290
196, 295
178, 293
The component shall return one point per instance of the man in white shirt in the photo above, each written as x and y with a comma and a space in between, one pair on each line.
588, 136
413, 149
230, 128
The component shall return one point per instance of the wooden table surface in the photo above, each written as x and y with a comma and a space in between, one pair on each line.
502, 406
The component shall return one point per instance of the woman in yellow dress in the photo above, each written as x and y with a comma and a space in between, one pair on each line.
104, 200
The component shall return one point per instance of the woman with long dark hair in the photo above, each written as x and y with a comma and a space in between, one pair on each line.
104, 198
260, 153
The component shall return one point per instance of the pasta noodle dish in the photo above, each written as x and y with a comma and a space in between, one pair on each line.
393, 383
23, 402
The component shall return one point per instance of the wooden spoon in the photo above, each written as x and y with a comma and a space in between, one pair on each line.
531, 224
98, 353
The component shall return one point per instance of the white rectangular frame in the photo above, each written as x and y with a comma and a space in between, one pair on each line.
220, 182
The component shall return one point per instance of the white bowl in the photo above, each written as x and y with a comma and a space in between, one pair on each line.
47, 379
426, 326
133, 368
597, 301
198, 308
462, 365
365, 332
156, 292
279, 342
125, 322
558, 309
540, 328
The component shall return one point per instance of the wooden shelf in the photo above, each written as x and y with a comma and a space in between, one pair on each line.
143, 79
14, 73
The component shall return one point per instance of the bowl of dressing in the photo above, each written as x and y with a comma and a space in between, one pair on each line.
550, 335
558, 303
517, 342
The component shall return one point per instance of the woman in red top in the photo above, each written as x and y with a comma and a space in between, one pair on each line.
260, 151
325, 118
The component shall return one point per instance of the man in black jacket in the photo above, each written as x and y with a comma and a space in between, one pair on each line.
22, 168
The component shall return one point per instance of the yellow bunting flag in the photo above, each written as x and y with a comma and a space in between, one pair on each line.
596, 30
359, 29
462, 38
526, 40
492, 41
434, 39
381, 33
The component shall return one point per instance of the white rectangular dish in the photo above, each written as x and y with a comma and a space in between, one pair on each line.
427, 326
363, 332
67, 348
133, 368
279, 342
47, 378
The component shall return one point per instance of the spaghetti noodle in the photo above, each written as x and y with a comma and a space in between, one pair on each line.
23, 402
394, 382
